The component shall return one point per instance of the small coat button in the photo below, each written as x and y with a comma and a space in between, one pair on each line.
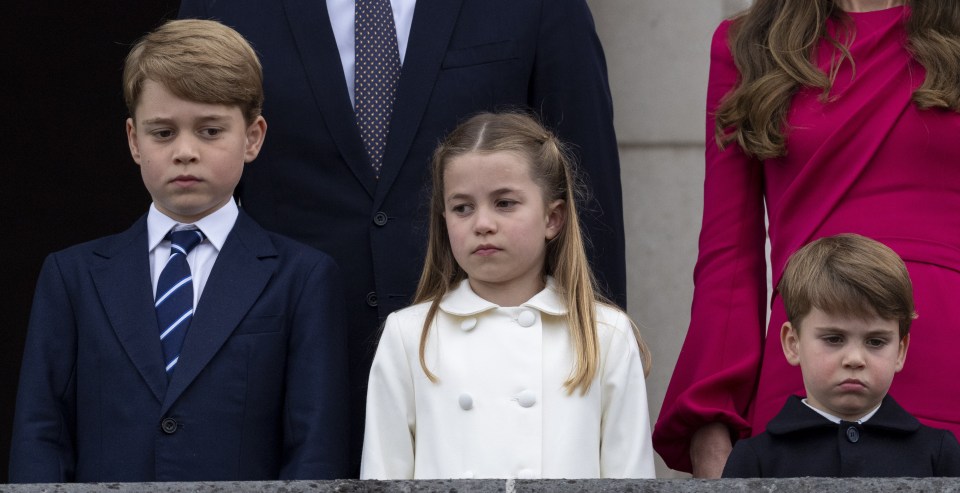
380, 218
468, 324
526, 398
466, 402
169, 426
372, 298
853, 434
526, 318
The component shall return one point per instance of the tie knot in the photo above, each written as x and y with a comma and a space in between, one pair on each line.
184, 240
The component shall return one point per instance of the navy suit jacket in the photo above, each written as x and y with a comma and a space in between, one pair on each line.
313, 181
800, 442
258, 393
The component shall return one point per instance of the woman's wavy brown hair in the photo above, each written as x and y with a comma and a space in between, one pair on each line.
774, 44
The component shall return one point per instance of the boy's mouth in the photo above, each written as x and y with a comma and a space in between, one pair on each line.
185, 180
852, 385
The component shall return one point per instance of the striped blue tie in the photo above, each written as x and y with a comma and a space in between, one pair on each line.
174, 302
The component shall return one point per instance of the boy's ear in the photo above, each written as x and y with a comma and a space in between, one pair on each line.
132, 140
902, 352
556, 217
256, 132
790, 340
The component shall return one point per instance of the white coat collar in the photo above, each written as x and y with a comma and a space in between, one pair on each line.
462, 301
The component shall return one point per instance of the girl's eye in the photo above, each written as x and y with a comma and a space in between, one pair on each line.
461, 209
506, 203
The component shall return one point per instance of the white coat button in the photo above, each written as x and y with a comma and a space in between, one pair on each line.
526, 398
468, 324
466, 402
526, 318
526, 474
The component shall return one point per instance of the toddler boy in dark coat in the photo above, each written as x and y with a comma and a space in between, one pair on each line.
854, 300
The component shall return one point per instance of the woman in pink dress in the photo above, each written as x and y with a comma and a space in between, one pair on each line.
842, 116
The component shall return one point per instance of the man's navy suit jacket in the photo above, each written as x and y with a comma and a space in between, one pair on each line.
313, 181
258, 393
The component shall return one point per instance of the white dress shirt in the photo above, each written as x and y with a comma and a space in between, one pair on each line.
215, 228
342, 20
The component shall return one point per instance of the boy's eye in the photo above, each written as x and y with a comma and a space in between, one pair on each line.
211, 131
833, 339
876, 342
162, 134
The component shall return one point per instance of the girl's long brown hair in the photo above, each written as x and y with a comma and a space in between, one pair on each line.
773, 45
566, 259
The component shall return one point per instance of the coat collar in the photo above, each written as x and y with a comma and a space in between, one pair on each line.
797, 416
463, 302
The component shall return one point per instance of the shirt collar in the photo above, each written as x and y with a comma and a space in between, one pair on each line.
462, 301
836, 419
215, 226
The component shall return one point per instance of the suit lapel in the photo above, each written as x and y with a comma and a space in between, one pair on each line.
236, 281
310, 25
433, 22
123, 284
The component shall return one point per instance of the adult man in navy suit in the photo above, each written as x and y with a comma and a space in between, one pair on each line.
255, 389
459, 57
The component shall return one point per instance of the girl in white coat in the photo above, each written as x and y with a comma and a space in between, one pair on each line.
509, 365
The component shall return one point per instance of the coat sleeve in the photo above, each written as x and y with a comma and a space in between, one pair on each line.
316, 415
570, 89
742, 463
718, 366
44, 427
625, 447
948, 460
391, 425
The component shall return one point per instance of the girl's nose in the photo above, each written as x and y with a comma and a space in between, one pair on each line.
484, 222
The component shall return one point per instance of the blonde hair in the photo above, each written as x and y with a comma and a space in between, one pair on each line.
773, 44
552, 169
197, 60
850, 275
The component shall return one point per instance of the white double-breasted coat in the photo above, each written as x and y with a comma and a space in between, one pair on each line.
499, 408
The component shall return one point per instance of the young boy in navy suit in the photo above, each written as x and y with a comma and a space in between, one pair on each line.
854, 300
246, 380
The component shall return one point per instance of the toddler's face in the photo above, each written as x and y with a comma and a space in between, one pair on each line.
848, 364
191, 155
499, 224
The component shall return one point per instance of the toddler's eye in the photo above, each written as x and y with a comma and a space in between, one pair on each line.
876, 343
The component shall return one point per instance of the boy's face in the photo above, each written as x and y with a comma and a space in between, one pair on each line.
847, 363
191, 155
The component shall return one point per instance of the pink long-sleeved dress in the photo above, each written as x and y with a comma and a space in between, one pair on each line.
866, 161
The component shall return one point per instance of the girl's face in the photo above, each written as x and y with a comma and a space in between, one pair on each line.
499, 224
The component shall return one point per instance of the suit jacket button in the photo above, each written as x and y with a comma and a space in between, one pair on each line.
853, 434
372, 298
169, 426
380, 218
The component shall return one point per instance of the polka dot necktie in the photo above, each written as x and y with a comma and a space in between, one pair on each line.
174, 303
377, 73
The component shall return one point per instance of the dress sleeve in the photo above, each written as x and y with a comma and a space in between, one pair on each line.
718, 366
625, 447
390, 432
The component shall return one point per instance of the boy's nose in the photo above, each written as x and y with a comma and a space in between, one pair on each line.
853, 358
185, 152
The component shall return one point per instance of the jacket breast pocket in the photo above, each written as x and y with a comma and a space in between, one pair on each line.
499, 51
265, 324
